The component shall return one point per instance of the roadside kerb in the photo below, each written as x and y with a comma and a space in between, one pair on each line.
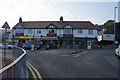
13, 63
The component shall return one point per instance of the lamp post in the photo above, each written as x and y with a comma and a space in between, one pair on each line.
114, 23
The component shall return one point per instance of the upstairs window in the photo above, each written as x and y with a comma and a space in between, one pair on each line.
19, 31
108, 36
90, 31
38, 31
29, 31
51, 31
79, 30
67, 31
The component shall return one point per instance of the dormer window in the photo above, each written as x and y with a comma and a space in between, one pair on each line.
51, 26
67, 26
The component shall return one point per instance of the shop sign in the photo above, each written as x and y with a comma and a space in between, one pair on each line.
37, 37
49, 37
26, 37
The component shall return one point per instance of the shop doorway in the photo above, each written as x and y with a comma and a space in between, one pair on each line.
89, 44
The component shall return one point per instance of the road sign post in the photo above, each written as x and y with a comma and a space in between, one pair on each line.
5, 26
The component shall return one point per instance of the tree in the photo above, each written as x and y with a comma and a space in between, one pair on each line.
109, 26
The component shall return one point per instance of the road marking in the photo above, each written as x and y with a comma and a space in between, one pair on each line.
34, 76
77, 55
38, 74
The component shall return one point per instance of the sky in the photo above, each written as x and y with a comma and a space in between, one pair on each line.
96, 11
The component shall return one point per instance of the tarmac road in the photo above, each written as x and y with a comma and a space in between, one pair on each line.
86, 64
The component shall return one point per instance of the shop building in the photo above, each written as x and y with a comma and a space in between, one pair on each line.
58, 34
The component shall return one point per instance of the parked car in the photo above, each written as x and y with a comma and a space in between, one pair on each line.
10, 46
28, 46
3, 46
117, 51
36, 46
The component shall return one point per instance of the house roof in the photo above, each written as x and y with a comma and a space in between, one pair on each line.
58, 24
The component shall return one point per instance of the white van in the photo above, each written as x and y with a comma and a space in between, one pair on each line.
117, 51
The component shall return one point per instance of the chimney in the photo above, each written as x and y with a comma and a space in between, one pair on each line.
20, 20
61, 19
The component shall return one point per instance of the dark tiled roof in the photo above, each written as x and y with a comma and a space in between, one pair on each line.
58, 24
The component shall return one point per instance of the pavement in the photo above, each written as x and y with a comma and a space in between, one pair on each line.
9, 59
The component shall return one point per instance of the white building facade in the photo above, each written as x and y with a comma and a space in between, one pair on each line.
77, 34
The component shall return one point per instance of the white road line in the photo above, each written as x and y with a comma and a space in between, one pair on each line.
77, 55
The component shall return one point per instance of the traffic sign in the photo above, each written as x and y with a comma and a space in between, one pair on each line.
6, 26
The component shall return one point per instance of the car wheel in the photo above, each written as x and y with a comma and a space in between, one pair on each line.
9, 47
35, 48
115, 54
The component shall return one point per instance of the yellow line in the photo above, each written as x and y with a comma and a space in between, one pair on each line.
34, 76
39, 76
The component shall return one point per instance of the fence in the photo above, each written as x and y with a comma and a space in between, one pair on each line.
16, 69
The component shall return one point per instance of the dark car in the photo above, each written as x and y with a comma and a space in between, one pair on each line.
36, 46
28, 46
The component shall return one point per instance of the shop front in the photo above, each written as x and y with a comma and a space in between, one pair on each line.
51, 41
19, 41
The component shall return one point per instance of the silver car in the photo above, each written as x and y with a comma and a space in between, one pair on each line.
117, 51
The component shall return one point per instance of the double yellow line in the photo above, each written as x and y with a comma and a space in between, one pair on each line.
31, 68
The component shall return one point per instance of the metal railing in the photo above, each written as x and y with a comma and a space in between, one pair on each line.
16, 69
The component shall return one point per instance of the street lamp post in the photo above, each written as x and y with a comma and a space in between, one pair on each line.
114, 23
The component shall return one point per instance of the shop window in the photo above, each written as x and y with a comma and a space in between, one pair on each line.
38, 31
90, 31
79, 30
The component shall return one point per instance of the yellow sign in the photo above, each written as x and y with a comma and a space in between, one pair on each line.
26, 37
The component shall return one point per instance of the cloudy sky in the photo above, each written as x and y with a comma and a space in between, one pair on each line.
96, 11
